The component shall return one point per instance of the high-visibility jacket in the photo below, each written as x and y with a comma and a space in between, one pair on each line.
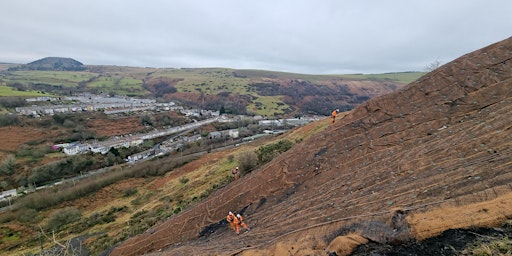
230, 217
237, 220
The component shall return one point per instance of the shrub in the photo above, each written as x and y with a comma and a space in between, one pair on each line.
60, 169
63, 217
68, 123
7, 119
28, 216
8, 216
129, 192
12, 101
247, 161
44, 198
8, 165
99, 218
184, 180
268, 152
59, 118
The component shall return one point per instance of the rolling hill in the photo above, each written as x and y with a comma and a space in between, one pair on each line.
401, 167
266, 93
53, 64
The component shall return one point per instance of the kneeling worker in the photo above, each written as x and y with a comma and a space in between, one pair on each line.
239, 222
231, 219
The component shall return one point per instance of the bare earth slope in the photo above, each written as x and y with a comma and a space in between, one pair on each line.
407, 165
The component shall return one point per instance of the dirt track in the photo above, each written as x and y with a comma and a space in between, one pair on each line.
442, 142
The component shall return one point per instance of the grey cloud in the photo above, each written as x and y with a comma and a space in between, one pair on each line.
303, 36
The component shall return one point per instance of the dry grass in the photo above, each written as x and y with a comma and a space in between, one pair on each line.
483, 214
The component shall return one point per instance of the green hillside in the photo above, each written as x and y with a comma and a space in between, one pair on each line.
261, 92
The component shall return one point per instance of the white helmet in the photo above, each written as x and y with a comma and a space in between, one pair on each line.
230, 213
238, 215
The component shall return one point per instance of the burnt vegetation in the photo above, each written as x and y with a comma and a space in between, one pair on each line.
160, 88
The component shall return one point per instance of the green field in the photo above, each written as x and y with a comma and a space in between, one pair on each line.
56, 78
8, 91
267, 106
401, 77
208, 81
398, 77
118, 84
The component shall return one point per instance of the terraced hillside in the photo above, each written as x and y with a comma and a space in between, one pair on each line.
404, 166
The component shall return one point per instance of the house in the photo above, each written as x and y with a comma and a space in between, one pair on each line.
140, 156
5, 195
270, 122
75, 149
234, 133
215, 135
99, 149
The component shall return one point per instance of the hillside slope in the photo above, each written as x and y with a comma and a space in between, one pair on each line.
407, 165
52, 63
232, 91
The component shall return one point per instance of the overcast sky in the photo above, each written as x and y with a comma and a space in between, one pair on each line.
301, 36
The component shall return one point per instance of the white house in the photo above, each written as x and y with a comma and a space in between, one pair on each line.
234, 133
75, 148
5, 195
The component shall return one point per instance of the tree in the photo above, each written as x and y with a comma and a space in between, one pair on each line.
8, 119
8, 165
247, 161
146, 120
12, 101
62, 217
433, 66
59, 118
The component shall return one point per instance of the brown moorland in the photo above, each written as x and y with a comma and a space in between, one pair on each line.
404, 166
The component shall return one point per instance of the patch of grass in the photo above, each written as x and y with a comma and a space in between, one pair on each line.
494, 247
8, 235
98, 218
9, 91
129, 192
268, 106
400, 77
60, 78
206, 80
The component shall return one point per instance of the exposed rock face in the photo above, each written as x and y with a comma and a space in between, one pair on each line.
443, 141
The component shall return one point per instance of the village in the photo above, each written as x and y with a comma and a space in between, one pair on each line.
116, 105
89, 102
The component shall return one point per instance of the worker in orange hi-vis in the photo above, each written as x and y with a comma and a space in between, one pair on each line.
231, 219
333, 115
235, 173
239, 222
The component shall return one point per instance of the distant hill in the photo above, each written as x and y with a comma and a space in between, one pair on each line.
234, 91
52, 64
